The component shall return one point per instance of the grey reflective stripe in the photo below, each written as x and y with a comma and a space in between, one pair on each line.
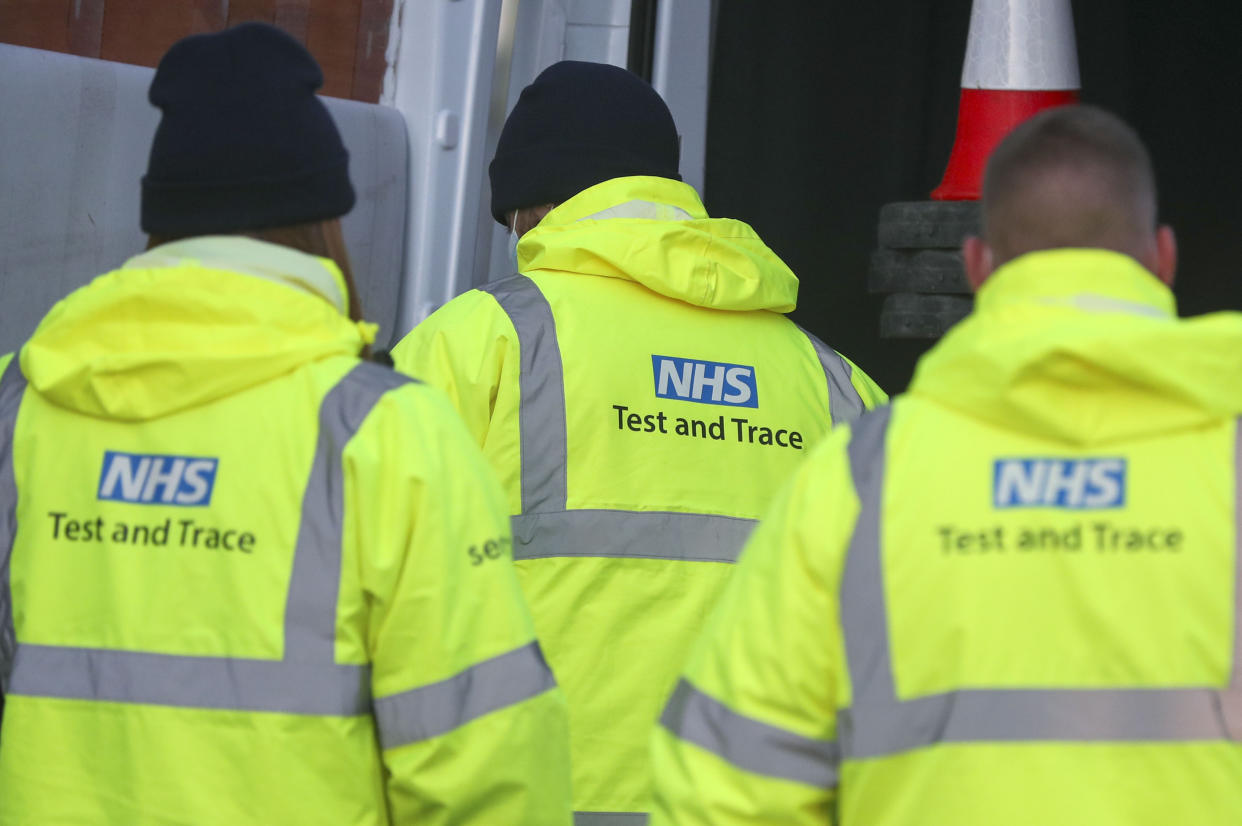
610, 819
1235, 677
432, 710
545, 528
310, 627
1030, 715
642, 209
307, 680
692, 537
542, 408
191, 682
844, 402
864, 620
1231, 697
878, 724
756, 747
12, 388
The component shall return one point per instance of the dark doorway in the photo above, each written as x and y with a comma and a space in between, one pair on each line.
822, 112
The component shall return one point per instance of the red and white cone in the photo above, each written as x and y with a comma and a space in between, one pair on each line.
1020, 59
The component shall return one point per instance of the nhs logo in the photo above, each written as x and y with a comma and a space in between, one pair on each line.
709, 382
1059, 483
152, 479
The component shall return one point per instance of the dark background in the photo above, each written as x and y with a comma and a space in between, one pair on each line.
822, 112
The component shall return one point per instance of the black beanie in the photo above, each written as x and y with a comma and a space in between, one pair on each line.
579, 124
243, 142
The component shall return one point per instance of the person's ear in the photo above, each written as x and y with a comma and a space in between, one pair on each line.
1166, 254
977, 259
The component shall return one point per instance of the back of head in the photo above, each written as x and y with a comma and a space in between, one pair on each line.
576, 125
1073, 176
243, 143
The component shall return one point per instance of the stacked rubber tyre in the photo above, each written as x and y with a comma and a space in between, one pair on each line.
919, 266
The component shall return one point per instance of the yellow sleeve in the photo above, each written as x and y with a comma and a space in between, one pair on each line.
471, 725
748, 735
467, 348
4, 363
870, 393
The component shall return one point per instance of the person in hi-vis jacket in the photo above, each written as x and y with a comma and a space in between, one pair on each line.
641, 394
1012, 595
245, 576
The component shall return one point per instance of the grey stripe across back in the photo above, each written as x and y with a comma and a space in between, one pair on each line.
879, 724
307, 679
546, 528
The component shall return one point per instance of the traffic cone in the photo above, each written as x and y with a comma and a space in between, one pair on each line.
1020, 59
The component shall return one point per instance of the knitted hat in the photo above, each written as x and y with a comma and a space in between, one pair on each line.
243, 142
579, 124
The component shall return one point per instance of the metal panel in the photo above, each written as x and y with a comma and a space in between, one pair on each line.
441, 56
536, 41
550, 30
600, 12
681, 71
77, 133
597, 44
544, 32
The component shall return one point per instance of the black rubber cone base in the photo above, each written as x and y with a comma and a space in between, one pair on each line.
910, 225
909, 315
919, 262
919, 271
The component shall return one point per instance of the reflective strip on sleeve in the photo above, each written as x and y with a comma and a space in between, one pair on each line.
432, 710
878, 724
314, 585
691, 537
844, 402
541, 411
12, 388
751, 745
610, 819
307, 679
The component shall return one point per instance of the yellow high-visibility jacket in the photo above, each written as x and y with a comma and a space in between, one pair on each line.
1011, 597
246, 578
642, 396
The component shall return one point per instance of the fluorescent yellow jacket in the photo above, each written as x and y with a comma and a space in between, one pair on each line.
246, 578
1011, 597
641, 395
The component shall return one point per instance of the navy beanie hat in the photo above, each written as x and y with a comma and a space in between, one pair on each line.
579, 124
243, 142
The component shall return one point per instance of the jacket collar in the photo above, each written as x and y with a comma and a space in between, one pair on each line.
1090, 280
239, 254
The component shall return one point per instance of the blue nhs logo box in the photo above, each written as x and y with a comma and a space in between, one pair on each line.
1059, 483
708, 382
154, 479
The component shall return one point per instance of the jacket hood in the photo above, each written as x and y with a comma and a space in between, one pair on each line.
655, 231
187, 323
1049, 325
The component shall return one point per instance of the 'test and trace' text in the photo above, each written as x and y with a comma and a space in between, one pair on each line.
718, 428
185, 533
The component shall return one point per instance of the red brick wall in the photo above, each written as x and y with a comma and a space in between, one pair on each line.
347, 37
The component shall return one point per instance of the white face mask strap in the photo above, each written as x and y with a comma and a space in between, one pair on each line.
513, 242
